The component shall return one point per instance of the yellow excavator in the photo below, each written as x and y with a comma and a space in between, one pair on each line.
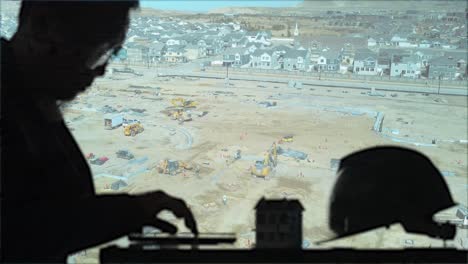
133, 129
172, 167
181, 102
263, 168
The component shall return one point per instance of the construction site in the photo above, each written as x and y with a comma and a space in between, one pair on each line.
222, 145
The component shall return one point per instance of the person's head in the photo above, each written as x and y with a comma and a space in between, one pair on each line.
385, 185
65, 44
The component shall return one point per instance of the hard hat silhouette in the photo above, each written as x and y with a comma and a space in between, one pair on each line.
385, 185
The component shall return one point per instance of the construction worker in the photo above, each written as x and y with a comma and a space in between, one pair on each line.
59, 48
197, 171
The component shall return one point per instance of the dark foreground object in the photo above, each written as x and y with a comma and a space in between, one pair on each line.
114, 254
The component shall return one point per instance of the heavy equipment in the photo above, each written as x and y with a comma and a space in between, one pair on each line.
181, 115
172, 167
264, 168
133, 129
181, 102
98, 161
286, 138
124, 154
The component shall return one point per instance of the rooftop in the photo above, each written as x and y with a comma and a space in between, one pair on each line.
279, 204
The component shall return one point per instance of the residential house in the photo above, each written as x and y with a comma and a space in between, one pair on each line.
156, 51
213, 45
278, 224
383, 65
261, 59
443, 67
425, 55
296, 60
406, 66
371, 42
236, 57
192, 52
424, 44
348, 51
262, 39
254, 46
175, 41
385, 56
233, 40
400, 41
461, 59
278, 56
251, 36
365, 62
175, 53
202, 51
314, 57
329, 61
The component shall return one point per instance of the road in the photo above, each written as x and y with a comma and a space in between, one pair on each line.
324, 83
192, 69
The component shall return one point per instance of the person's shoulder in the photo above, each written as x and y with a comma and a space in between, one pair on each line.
5, 50
6, 61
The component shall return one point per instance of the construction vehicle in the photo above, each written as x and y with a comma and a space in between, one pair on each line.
124, 154
133, 129
98, 161
172, 167
264, 168
181, 115
181, 102
286, 138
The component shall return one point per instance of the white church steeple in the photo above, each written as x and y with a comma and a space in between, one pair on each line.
296, 31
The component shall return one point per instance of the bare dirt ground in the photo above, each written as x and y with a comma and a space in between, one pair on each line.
326, 123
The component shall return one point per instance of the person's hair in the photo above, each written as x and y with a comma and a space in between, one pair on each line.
79, 20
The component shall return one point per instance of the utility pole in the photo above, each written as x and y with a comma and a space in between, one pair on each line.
226, 81
227, 70
438, 91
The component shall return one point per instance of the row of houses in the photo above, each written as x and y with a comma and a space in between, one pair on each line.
179, 42
191, 46
385, 62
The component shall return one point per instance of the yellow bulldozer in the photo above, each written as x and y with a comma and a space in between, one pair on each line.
264, 167
181, 102
133, 129
172, 167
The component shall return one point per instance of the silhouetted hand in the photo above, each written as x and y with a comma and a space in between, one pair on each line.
155, 202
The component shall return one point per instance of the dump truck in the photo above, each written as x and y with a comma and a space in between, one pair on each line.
133, 129
172, 167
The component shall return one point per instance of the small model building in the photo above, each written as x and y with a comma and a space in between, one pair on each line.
279, 224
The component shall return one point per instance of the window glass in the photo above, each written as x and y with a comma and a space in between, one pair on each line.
257, 101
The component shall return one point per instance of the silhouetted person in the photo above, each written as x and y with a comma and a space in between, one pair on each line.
49, 205
385, 185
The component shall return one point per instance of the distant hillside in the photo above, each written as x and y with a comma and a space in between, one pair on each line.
161, 13
361, 5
